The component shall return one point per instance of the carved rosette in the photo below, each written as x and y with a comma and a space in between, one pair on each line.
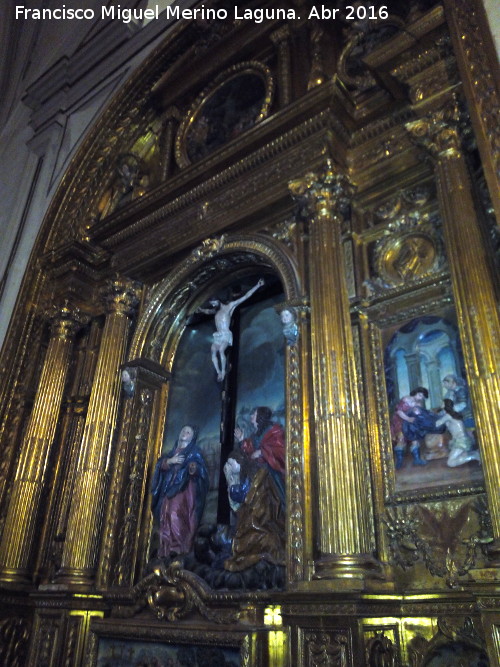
92, 476
22, 513
344, 515
473, 286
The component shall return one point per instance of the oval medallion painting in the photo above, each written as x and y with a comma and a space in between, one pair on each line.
237, 99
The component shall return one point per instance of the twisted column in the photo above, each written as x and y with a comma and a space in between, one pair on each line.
344, 519
94, 463
23, 510
473, 286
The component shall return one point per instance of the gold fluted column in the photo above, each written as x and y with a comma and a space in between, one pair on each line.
22, 513
89, 494
473, 286
343, 501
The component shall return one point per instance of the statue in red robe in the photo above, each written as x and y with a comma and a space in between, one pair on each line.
260, 528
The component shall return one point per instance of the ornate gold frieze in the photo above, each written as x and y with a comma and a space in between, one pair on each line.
245, 180
326, 647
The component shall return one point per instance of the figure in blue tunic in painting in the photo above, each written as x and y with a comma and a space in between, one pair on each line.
179, 490
420, 421
411, 422
455, 390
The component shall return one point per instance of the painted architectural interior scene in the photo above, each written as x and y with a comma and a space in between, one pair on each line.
432, 426
249, 333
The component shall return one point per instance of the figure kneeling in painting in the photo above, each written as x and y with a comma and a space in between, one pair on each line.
258, 497
179, 490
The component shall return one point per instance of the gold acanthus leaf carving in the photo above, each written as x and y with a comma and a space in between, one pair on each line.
442, 540
176, 593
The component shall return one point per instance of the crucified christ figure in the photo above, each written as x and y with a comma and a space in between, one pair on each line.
223, 337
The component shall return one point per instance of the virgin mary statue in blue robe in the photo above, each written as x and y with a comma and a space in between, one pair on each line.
179, 490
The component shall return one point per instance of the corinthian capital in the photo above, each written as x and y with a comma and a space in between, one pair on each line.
438, 132
121, 295
324, 195
65, 321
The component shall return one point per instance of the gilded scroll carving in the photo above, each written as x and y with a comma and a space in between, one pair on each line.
444, 541
177, 593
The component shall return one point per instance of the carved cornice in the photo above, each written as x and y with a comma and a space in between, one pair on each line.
106, 233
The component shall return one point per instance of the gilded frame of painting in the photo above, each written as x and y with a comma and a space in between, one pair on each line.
208, 93
121, 632
383, 323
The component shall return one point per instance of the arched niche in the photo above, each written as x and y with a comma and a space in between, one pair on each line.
173, 334
189, 284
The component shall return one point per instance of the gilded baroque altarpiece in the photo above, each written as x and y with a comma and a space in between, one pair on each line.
334, 185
